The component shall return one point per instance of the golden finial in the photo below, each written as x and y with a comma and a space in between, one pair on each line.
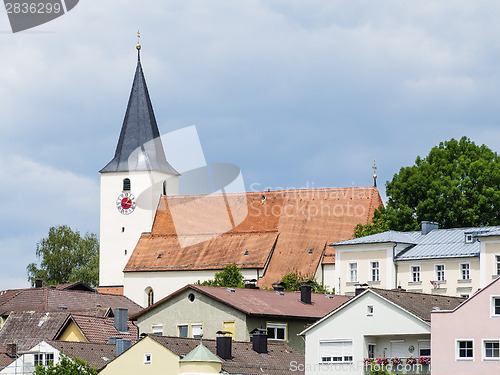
138, 40
374, 174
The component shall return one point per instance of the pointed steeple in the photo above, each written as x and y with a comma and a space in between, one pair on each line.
139, 146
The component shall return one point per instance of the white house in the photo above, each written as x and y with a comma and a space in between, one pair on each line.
377, 324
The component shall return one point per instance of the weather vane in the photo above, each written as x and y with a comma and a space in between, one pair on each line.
374, 174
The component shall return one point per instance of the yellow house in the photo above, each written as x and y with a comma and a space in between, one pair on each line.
167, 355
455, 262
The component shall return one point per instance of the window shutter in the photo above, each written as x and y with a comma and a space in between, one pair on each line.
398, 349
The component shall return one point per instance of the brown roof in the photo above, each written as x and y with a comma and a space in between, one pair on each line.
5, 359
194, 232
419, 304
245, 360
265, 302
92, 353
98, 329
50, 299
27, 329
75, 285
117, 290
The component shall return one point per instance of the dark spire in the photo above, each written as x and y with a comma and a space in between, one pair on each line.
139, 147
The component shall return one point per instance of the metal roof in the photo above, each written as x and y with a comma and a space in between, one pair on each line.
139, 146
384, 237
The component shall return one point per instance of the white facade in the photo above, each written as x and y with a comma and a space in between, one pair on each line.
163, 283
25, 364
348, 331
120, 232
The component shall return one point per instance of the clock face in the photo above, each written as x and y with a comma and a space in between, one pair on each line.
126, 203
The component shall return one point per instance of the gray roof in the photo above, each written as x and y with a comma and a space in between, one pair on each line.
438, 243
139, 146
384, 237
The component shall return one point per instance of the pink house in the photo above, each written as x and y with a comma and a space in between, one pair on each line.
466, 340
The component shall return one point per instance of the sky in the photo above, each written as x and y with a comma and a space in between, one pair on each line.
296, 93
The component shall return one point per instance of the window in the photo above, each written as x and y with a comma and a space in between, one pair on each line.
491, 349
495, 306
498, 265
150, 296
38, 360
335, 351
49, 358
277, 331
424, 348
353, 269
371, 350
375, 271
440, 272
465, 349
147, 358
468, 238
369, 310
126, 184
464, 271
164, 187
182, 330
196, 330
415, 274
157, 329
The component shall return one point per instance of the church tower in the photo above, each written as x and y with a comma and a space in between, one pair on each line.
132, 184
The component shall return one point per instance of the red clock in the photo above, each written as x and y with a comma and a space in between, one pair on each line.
125, 203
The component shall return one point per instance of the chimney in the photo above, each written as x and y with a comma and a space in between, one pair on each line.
305, 292
122, 345
223, 345
250, 284
11, 350
428, 226
259, 340
113, 340
38, 283
121, 320
360, 288
279, 287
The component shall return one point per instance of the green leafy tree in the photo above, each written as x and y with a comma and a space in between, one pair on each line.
456, 185
292, 282
66, 256
66, 366
229, 277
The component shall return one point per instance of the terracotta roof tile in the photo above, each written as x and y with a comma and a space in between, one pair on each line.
50, 299
116, 290
94, 354
27, 329
245, 360
5, 360
419, 304
195, 232
99, 330
265, 302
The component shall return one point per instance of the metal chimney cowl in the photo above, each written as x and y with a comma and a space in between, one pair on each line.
121, 320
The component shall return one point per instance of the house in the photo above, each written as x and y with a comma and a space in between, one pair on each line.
376, 324
194, 310
454, 262
473, 347
96, 329
96, 355
154, 241
174, 355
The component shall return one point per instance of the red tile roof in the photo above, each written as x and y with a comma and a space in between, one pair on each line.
245, 360
95, 354
5, 360
99, 330
50, 299
116, 290
265, 302
192, 232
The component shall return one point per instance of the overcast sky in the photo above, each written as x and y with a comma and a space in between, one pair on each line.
296, 93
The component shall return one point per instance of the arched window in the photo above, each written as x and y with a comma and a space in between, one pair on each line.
126, 184
149, 296
165, 188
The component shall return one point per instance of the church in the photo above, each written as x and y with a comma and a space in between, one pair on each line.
154, 241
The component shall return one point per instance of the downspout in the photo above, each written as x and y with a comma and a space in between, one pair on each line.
395, 266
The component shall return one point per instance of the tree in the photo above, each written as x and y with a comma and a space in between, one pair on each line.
229, 277
66, 366
65, 257
456, 185
293, 279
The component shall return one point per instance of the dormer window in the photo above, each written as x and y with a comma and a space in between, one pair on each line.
126, 184
469, 238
